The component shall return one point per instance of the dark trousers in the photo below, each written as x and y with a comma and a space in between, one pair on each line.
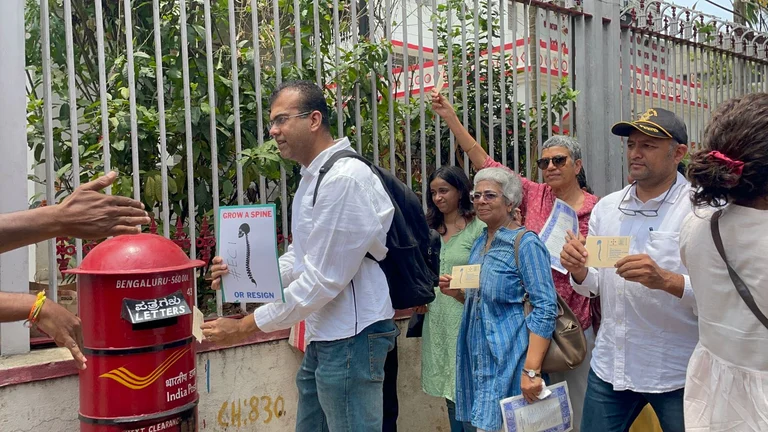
390, 392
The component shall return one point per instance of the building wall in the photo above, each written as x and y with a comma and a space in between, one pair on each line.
251, 389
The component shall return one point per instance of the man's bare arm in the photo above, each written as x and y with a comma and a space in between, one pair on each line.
86, 214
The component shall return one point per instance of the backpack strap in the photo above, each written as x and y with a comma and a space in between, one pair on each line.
327, 167
741, 287
329, 164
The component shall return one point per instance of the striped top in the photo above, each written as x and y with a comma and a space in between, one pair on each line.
493, 338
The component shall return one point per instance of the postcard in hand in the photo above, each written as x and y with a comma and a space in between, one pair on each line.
465, 277
605, 251
247, 241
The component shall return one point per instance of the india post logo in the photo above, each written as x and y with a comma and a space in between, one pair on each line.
135, 382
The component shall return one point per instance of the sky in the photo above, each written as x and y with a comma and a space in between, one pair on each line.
703, 6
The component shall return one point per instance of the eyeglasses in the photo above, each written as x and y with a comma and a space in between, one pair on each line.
646, 213
558, 161
488, 196
282, 118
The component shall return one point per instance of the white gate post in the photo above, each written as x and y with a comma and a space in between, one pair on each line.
597, 75
14, 337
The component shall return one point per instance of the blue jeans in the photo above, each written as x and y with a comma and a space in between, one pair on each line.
341, 382
457, 426
607, 410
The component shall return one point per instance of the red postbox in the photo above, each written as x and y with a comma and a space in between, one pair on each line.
136, 297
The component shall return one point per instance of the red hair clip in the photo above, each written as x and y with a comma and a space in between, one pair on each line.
736, 166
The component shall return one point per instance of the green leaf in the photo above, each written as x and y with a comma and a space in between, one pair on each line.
195, 114
63, 170
149, 189
172, 189
141, 54
202, 195
225, 81
124, 92
228, 187
159, 187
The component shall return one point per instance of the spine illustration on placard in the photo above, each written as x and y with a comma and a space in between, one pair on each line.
243, 232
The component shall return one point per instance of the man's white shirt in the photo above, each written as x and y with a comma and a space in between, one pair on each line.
646, 336
329, 282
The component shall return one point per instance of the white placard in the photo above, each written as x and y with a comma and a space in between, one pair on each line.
562, 219
247, 241
551, 414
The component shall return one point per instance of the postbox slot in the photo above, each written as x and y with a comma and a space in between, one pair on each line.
149, 325
155, 313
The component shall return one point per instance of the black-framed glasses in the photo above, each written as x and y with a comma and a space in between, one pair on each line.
645, 213
488, 196
558, 161
282, 118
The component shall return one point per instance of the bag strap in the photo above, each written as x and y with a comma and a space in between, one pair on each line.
518, 239
741, 287
329, 164
327, 167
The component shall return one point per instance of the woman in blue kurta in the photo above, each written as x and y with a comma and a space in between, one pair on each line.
500, 351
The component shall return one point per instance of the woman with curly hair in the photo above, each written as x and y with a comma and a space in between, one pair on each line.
727, 380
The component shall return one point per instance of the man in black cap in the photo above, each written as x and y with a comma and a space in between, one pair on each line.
649, 327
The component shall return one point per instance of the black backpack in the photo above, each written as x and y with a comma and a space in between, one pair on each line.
412, 264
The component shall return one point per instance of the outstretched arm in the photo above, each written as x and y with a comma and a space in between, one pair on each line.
443, 108
85, 214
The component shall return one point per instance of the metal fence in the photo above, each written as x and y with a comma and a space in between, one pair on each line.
687, 62
174, 93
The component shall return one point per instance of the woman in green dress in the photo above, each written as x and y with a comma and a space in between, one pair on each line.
450, 212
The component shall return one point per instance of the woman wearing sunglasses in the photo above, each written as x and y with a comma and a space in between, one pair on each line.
561, 165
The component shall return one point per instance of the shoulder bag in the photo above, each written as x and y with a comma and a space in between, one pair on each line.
568, 346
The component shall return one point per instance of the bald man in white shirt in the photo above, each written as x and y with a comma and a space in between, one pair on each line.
649, 325
342, 296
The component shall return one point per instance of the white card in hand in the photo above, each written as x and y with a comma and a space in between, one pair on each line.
197, 321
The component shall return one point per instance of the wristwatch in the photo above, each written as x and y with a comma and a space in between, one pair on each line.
532, 373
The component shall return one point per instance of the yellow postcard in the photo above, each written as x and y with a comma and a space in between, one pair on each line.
606, 251
466, 277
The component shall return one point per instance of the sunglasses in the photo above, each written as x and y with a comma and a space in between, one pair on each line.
644, 213
557, 161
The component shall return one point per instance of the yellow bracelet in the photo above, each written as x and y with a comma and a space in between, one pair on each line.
473, 146
35, 311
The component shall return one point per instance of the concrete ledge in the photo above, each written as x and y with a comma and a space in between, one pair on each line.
245, 388
50, 363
